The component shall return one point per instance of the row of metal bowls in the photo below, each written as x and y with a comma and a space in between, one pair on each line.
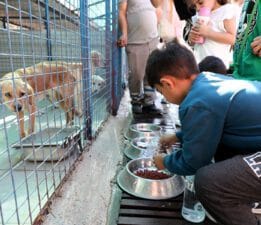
143, 139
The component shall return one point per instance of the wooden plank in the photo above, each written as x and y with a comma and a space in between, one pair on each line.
158, 221
177, 198
148, 221
130, 203
149, 213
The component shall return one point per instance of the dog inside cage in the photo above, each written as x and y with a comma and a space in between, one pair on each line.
53, 78
59, 82
98, 82
22, 88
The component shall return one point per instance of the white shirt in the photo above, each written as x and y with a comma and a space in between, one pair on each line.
141, 20
213, 48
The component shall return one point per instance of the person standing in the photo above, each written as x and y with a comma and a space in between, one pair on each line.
219, 33
247, 49
138, 25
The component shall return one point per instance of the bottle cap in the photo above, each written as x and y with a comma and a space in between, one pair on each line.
204, 11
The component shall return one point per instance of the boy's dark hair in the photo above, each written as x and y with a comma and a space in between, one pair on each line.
212, 64
173, 59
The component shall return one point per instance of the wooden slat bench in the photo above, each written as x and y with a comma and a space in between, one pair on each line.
137, 211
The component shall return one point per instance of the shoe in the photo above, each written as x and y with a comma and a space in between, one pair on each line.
152, 110
256, 208
164, 101
210, 217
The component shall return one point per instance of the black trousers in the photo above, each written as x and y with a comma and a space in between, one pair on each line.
227, 189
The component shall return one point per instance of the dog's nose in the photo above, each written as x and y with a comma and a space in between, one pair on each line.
17, 107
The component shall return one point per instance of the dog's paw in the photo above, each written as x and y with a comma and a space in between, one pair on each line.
23, 134
70, 124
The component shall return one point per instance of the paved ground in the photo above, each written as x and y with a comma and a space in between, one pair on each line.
86, 196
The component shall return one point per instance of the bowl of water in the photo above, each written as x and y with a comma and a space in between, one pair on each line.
141, 147
142, 130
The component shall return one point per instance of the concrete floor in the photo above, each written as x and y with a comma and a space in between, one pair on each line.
87, 196
91, 196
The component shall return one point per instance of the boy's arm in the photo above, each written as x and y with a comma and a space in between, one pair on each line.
166, 141
159, 161
201, 132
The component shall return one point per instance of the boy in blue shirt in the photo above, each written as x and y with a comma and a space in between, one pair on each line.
221, 119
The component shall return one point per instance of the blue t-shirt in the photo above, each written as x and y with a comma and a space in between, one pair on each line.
217, 110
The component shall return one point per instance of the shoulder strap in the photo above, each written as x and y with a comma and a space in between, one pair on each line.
246, 31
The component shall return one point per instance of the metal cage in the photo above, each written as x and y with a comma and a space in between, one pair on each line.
60, 79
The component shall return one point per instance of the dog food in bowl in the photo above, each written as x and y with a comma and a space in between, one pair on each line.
151, 174
155, 186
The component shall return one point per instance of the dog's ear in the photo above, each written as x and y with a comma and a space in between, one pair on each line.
30, 93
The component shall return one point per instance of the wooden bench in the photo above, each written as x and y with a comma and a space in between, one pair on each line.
137, 211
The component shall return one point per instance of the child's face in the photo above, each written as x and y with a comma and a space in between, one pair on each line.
170, 91
204, 3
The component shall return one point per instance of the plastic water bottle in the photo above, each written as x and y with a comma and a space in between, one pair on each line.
192, 209
203, 15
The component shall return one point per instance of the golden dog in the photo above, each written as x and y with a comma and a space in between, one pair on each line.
20, 88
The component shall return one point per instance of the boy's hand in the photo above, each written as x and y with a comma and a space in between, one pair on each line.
166, 141
159, 161
256, 46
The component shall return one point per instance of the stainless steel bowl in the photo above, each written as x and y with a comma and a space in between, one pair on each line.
141, 147
142, 130
148, 188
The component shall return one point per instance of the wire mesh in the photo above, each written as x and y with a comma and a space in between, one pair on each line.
56, 91
100, 44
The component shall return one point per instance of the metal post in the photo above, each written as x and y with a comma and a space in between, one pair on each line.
108, 39
86, 69
48, 31
115, 59
4, 22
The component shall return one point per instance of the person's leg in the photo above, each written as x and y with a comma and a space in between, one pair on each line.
135, 78
228, 189
149, 92
141, 93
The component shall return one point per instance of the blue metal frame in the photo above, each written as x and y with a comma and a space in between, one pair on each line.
48, 31
86, 69
107, 39
115, 59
